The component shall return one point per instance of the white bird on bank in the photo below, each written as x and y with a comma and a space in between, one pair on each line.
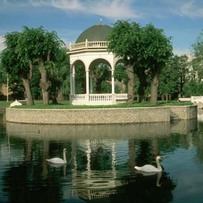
149, 168
57, 160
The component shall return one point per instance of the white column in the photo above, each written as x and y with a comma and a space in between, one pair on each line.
73, 80
86, 43
91, 85
112, 82
87, 82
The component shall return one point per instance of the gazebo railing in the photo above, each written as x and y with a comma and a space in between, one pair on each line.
89, 45
100, 97
97, 99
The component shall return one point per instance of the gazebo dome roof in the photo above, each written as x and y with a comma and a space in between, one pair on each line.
95, 33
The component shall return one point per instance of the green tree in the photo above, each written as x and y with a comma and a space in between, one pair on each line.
63, 64
193, 88
124, 42
121, 79
198, 47
155, 51
14, 65
100, 74
34, 51
40, 47
173, 77
36, 91
59, 76
80, 85
197, 61
144, 50
194, 84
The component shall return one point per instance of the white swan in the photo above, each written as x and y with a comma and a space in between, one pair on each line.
57, 160
149, 168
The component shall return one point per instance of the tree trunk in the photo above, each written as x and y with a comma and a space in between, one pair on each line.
154, 89
98, 86
44, 84
29, 99
60, 96
142, 88
131, 83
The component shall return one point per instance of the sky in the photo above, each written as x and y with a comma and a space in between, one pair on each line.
180, 19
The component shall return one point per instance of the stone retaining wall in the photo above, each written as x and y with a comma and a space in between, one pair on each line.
183, 112
98, 115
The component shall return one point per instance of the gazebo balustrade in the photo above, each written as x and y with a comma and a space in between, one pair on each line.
97, 99
88, 45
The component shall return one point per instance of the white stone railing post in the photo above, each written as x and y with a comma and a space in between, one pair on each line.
86, 43
112, 82
73, 80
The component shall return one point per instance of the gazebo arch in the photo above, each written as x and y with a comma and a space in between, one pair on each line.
91, 48
100, 72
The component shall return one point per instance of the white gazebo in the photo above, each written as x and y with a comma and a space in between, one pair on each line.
90, 49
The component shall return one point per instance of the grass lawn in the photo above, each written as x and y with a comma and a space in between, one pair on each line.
67, 105
4, 104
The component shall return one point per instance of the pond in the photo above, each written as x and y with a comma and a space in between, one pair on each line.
100, 163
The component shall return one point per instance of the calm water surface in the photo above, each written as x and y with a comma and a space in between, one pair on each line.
101, 160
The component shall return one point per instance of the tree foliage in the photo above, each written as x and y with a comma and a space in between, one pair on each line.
156, 49
124, 42
173, 76
197, 61
59, 76
121, 79
14, 65
198, 47
144, 50
36, 50
192, 88
100, 74
40, 47
194, 81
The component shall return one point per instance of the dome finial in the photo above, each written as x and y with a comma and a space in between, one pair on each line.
101, 21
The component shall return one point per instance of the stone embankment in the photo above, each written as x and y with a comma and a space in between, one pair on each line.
101, 115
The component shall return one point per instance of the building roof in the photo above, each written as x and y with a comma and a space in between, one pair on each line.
95, 33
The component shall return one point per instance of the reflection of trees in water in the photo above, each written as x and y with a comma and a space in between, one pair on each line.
26, 184
100, 156
147, 188
144, 189
2, 124
198, 141
146, 151
28, 180
175, 141
143, 152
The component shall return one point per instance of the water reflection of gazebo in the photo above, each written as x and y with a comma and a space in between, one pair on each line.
90, 52
92, 186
